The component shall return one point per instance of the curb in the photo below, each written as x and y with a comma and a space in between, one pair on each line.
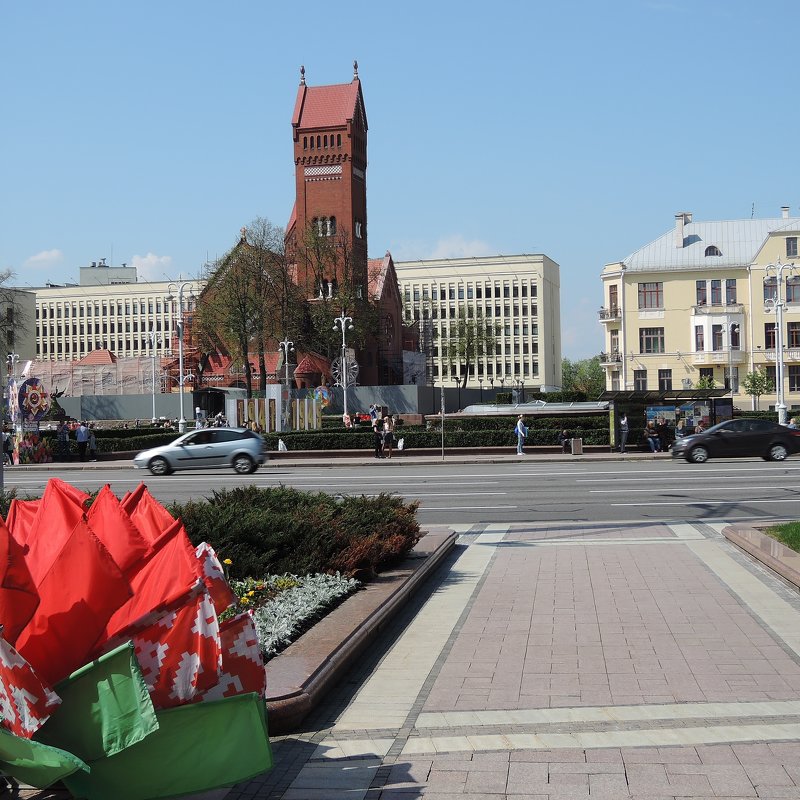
770, 552
307, 670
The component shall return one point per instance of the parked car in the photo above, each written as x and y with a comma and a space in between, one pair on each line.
239, 448
738, 438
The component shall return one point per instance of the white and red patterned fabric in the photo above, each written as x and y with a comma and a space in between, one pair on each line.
25, 702
214, 578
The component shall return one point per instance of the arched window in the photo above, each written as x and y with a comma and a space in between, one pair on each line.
319, 139
320, 223
312, 142
713, 250
325, 140
305, 143
331, 226
338, 139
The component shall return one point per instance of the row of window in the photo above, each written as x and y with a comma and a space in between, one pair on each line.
59, 347
500, 349
651, 340
79, 329
76, 311
665, 377
715, 292
499, 372
469, 292
322, 141
440, 312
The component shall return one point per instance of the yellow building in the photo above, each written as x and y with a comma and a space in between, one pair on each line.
702, 302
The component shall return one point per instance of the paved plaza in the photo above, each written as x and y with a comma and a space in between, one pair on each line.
571, 661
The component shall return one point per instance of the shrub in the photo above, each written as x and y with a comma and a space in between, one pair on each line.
279, 530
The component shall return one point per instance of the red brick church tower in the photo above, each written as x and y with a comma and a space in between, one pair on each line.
329, 127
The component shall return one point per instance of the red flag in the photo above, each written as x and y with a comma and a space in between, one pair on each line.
114, 528
149, 516
79, 591
25, 702
18, 595
242, 663
180, 654
214, 577
21, 514
162, 583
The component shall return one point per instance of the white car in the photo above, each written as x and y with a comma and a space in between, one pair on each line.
238, 448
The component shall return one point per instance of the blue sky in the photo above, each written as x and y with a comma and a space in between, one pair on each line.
150, 132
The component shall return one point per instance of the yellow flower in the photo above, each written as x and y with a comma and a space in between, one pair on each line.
244, 600
250, 593
227, 561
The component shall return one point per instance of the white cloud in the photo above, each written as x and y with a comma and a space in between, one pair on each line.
152, 267
456, 246
45, 259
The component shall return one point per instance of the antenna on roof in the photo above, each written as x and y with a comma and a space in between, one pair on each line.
302, 75
355, 70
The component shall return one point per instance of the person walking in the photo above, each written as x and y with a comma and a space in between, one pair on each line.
388, 435
63, 440
623, 432
82, 437
521, 432
92, 442
377, 439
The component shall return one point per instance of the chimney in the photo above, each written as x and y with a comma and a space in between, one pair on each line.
785, 212
681, 219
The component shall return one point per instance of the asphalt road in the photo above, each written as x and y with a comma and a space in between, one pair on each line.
513, 492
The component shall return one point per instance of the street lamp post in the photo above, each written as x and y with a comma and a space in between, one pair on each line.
480, 383
181, 376
458, 384
346, 324
153, 359
288, 347
521, 385
13, 358
777, 302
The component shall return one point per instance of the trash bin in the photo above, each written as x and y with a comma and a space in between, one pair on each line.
577, 447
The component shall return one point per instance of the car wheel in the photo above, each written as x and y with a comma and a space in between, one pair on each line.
159, 466
697, 455
243, 464
778, 452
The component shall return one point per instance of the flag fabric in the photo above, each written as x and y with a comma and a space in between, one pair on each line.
25, 702
214, 577
115, 529
21, 514
105, 708
78, 593
36, 764
18, 595
149, 516
163, 582
202, 746
180, 653
242, 663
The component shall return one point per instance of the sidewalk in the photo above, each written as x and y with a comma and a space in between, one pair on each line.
561, 661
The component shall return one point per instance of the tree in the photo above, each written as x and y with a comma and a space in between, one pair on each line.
757, 383
706, 382
14, 318
585, 376
469, 337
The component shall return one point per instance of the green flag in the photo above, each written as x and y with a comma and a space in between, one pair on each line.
197, 747
33, 763
105, 707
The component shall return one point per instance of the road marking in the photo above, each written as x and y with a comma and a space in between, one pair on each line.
710, 502
690, 489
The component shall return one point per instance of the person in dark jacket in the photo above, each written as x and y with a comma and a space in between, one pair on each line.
377, 439
565, 440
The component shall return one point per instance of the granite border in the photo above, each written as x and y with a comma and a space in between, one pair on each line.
300, 676
770, 552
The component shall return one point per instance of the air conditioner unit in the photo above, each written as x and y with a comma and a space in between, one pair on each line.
687, 383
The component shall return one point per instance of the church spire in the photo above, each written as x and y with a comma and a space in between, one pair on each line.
355, 70
302, 75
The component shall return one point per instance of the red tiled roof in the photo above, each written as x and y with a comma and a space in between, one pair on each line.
98, 357
326, 106
313, 363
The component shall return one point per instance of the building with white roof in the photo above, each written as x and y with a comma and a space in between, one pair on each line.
698, 303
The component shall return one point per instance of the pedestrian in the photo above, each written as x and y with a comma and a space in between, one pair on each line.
623, 432
388, 435
521, 432
8, 448
377, 440
793, 423
373, 414
651, 435
565, 440
82, 437
92, 445
63, 441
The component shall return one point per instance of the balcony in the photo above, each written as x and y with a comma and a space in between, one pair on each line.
731, 308
723, 357
609, 359
610, 314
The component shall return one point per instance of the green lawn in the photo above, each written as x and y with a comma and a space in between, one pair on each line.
788, 533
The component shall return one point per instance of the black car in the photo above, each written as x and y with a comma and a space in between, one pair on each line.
737, 438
